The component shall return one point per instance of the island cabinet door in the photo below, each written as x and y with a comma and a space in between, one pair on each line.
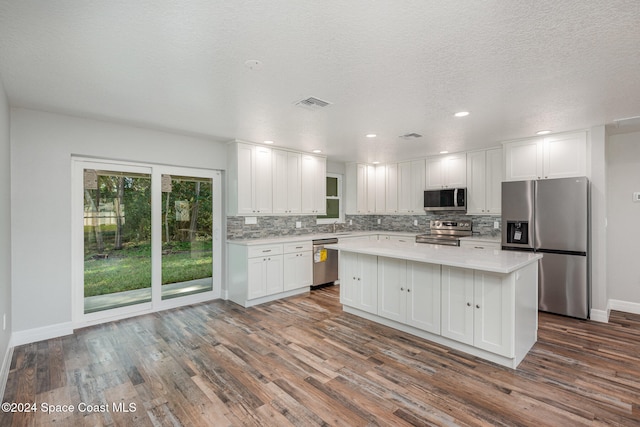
359, 281
423, 296
457, 304
392, 286
494, 315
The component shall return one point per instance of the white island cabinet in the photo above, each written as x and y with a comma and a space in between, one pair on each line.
484, 303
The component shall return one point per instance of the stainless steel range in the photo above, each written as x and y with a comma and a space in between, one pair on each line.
445, 232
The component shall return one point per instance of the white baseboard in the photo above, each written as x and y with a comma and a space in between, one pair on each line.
626, 306
4, 370
599, 315
39, 334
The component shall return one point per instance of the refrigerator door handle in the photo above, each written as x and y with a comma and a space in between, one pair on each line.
455, 197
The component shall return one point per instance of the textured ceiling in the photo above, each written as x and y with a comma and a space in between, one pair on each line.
388, 67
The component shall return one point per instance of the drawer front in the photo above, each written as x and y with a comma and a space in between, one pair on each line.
264, 250
297, 247
479, 244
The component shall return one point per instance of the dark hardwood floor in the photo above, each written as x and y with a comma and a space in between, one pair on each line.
303, 362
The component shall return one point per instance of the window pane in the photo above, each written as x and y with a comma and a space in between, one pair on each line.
333, 208
332, 188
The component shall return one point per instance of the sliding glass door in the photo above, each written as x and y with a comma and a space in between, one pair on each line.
146, 237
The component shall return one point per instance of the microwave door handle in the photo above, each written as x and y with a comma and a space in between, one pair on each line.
455, 198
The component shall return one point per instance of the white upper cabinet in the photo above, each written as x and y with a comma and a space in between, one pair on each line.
361, 189
448, 171
411, 186
555, 156
380, 189
286, 182
314, 185
391, 188
250, 180
484, 182
263, 181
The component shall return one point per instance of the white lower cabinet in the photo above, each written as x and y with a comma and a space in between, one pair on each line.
359, 281
261, 273
298, 265
478, 309
409, 292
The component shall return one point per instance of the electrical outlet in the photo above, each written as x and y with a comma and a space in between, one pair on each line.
496, 224
415, 222
636, 196
298, 224
350, 222
379, 221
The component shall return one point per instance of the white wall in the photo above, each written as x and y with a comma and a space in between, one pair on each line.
42, 145
597, 172
5, 232
623, 233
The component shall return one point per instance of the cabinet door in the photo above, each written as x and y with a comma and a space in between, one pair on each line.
392, 288
435, 175
391, 188
347, 272
423, 296
457, 304
565, 155
361, 188
405, 195
456, 171
298, 272
381, 189
417, 186
371, 189
367, 283
256, 284
523, 160
476, 188
286, 182
273, 274
313, 188
493, 314
246, 179
263, 180
493, 184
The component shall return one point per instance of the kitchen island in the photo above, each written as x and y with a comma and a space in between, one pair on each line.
481, 302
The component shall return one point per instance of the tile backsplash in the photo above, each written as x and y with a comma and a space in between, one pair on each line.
277, 226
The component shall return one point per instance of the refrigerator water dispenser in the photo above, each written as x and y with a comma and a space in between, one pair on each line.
518, 232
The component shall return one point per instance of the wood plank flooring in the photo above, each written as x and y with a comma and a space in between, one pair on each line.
303, 362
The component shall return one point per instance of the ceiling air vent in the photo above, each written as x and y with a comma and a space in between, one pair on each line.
312, 103
412, 135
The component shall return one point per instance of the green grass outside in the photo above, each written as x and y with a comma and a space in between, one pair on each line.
130, 268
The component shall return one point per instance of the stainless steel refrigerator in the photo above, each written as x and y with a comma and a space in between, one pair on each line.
551, 216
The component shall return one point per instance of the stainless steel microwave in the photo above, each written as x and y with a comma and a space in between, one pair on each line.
447, 199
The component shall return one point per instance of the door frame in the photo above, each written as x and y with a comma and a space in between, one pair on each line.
79, 318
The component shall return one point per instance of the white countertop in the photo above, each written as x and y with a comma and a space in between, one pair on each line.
486, 260
308, 237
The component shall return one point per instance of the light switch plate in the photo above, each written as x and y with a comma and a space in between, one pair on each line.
496, 224
636, 196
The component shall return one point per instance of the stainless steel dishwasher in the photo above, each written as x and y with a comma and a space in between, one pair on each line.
325, 262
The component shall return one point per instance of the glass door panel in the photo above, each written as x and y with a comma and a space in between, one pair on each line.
117, 239
187, 236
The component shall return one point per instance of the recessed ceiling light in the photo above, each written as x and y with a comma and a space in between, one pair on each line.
376, 163
317, 151
268, 142
444, 152
371, 135
461, 114
543, 132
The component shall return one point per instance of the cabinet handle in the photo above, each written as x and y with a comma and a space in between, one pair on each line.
266, 250
298, 247
408, 290
354, 278
402, 289
468, 304
358, 279
477, 306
